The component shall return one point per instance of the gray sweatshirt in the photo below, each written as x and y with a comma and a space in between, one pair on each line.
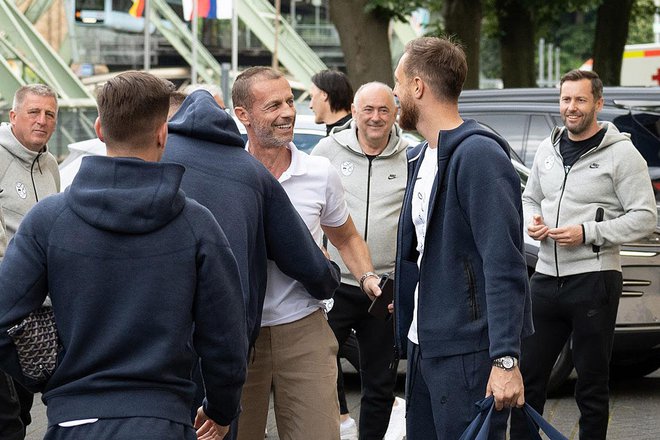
25, 178
374, 192
613, 176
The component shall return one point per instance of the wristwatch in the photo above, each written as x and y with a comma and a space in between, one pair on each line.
506, 363
364, 277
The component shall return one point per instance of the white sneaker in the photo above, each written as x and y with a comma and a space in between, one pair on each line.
396, 430
348, 429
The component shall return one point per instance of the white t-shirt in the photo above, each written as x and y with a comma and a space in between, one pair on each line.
419, 211
315, 190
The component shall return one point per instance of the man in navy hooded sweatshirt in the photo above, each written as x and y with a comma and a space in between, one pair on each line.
462, 301
134, 269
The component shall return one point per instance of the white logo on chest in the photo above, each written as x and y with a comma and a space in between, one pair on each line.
21, 190
347, 168
549, 162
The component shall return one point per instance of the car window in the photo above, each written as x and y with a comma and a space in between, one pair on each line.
510, 126
539, 129
306, 141
644, 133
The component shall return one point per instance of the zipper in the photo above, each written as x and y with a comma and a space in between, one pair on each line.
472, 295
366, 213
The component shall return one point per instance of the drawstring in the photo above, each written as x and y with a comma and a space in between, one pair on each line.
36, 160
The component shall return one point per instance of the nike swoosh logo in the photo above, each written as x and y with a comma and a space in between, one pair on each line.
594, 165
391, 176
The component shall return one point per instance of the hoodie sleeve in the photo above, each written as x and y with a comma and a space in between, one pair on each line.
490, 200
23, 284
220, 336
634, 191
293, 249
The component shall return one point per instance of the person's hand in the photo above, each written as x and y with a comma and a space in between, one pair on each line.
506, 387
537, 229
207, 429
390, 307
567, 235
371, 288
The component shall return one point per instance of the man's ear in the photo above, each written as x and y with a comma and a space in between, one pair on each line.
161, 137
98, 129
420, 87
353, 111
242, 115
12, 117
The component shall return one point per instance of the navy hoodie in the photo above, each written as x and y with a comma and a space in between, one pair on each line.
131, 264
248, 202
473, 288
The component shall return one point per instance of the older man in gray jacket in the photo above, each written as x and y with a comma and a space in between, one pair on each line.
28, 173
588, 192
369, 154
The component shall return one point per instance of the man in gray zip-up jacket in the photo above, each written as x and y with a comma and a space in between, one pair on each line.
28, 173
369, 154
588, 192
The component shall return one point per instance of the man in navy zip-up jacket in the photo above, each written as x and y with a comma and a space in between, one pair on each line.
142, 281
462, 299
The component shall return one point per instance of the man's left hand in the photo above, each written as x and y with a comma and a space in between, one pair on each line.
567, 235
207, 429
506, 387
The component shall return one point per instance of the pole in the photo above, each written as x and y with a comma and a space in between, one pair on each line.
276, 62
656, 21
195, 24
147, 36
234, 39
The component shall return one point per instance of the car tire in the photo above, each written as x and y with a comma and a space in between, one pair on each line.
562, 369
634, 368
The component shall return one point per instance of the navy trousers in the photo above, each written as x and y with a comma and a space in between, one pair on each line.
128, 428
441, 395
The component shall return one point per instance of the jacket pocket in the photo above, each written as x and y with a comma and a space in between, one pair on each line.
472, 290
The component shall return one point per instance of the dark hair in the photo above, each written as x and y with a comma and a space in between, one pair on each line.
241, 94
577, 75
32, 89
132, 106
440, 62
338, 88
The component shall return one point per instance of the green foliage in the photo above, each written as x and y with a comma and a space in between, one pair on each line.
388, 9
641, 22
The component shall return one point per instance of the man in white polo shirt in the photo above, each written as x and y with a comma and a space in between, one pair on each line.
294, 355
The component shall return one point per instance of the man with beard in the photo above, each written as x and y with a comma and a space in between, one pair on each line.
370, 155
462, 301
589, 191
295, 353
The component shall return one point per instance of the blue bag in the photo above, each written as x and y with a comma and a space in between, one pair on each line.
480, 426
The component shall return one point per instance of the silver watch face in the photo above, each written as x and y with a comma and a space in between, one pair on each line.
507, 362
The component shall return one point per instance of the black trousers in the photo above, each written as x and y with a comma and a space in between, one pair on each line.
584, 305
15, 406
126, 428
376, 346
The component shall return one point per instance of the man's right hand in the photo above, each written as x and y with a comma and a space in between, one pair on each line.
537, 229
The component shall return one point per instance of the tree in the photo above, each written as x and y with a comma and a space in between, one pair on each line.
610, 39
517, 34
463, 19
363, 33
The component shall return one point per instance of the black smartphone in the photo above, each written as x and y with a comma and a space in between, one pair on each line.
378, 306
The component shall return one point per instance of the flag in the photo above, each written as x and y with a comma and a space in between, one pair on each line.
216, 9
137, 10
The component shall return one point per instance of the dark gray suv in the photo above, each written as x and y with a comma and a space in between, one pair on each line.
524, 117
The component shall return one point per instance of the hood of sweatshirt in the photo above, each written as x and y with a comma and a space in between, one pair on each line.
200, 117
612, 135
9, 142
346, 136
449, 140
126, 195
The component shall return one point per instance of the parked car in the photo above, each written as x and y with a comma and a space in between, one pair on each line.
525, 117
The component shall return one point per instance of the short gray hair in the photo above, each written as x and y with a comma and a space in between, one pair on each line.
374, 84
211, 88
32, 89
